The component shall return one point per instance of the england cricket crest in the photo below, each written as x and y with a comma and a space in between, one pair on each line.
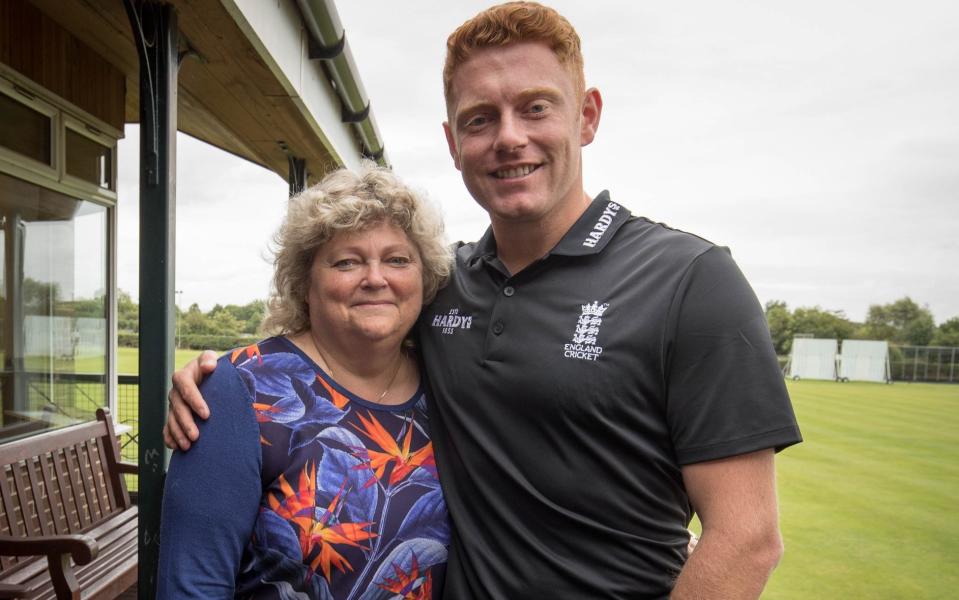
583, 344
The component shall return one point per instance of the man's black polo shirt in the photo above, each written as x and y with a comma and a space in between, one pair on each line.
566, 398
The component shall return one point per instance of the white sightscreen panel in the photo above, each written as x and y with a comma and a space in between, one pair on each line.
813, 358
863, 360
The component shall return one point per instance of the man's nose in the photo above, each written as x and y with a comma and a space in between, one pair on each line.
510, 135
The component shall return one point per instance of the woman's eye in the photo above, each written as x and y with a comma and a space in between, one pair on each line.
345, 264
399, 261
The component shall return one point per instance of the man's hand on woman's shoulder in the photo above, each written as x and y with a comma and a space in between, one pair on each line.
185, 400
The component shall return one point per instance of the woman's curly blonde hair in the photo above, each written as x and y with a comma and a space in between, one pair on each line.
346, 201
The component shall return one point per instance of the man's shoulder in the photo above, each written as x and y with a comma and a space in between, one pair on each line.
464, 252
641, 236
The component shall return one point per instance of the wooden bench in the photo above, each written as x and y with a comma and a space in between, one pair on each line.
67, 526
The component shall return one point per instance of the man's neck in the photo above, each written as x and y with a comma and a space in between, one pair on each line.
520, 244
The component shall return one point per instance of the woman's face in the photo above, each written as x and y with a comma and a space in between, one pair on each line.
367, 283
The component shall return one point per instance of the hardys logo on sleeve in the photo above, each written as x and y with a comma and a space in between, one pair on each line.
583, 344
452, 321
601, 225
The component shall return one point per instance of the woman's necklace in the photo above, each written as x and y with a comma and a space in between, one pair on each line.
389, 385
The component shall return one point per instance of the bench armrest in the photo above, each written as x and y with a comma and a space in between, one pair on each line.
83, 548
126, 467
10, 590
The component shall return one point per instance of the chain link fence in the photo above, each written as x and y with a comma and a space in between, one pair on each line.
128, 410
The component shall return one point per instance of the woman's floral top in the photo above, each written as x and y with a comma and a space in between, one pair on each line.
299, 489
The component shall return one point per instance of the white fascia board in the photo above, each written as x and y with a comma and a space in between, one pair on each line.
280, 38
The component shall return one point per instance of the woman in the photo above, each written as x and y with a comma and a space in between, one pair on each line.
315, 478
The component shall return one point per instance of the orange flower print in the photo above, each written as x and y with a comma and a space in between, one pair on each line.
318, 536
404, 585
250, 351
404, 462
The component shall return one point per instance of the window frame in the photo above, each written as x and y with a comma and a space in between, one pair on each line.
29, 99
63, 114
92, 133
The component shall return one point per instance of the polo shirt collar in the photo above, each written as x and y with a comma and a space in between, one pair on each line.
594, 228
588, 235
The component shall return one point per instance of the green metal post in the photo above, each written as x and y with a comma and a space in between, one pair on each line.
155, 34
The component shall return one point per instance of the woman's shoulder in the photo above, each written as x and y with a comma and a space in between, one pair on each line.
266, 360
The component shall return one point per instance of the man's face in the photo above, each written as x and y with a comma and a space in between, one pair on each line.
516, 128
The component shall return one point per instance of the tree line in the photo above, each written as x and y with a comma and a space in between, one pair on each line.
220, 328
901, 322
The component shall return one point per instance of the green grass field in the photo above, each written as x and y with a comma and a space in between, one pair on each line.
867, 499
127, 359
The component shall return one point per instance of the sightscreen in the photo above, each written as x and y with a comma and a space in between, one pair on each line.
813, 358
864, 360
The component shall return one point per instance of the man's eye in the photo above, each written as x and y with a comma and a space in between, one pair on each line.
477, 121
537, 108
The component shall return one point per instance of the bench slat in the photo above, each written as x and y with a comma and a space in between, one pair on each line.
95, 448
67, 500
25, 507
9, 525
58, 518
106, 487
76, 486
39, 497
86, 479
121, 497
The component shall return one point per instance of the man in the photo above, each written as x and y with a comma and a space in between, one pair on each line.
595, 376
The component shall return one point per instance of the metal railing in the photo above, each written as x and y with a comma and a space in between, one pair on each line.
935, 364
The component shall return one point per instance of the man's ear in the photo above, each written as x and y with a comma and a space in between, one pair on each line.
592, 111
451, 142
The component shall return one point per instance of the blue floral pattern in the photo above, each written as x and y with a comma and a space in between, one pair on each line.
351, 506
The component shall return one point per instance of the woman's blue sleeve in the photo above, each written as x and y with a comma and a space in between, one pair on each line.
211, 496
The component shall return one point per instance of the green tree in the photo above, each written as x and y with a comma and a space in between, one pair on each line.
128, 313
780, 323
224, 323
902, 322
830, 324
87, 307
39, 297
194, 321
947, 334
249, 315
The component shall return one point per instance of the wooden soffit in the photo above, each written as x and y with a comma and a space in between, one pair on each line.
227, 95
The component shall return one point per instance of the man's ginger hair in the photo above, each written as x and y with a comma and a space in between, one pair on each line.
512, 23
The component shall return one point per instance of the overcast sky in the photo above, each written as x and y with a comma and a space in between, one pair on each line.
818, 140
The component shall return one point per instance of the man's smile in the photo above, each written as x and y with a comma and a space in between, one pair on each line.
515, 172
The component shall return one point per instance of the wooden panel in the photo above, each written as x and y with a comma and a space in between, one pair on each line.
39, 48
